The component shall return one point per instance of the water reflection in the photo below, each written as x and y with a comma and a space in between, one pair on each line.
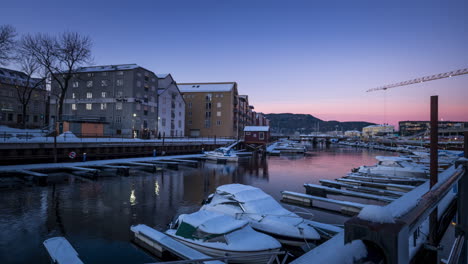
96, 215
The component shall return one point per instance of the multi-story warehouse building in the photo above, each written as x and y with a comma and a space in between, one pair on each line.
446, 128
12, 85
211, 109
377, 130
111, 100
171, 113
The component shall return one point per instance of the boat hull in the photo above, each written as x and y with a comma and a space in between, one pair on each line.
215, 252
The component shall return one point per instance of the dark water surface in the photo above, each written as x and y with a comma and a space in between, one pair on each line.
95, 216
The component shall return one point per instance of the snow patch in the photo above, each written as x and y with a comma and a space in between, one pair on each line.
377, 214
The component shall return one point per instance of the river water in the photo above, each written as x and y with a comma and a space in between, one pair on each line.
95, 216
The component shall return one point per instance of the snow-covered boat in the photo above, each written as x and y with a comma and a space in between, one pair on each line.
395, 166
222, 154
286, 146
219, 235
265, 214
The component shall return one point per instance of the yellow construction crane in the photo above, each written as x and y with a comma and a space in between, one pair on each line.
422, 79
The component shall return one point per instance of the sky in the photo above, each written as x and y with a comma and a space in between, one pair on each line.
310, 57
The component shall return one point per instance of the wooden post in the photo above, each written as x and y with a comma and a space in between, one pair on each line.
434, 158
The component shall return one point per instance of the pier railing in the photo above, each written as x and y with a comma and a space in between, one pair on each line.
400, 241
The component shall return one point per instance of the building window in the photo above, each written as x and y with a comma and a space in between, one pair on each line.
180, 123
221, 95
120, 73
103, 94
119, 82
89, 106
153, 88
189, 113
119, 93
75, 84
190, 105
104, 74
218, 105
164, 100
207, 114
207, 123
91, 74
208, 97
180, 113
89, 84
152, 109
164, 111
118, 105
138, 107
218, 122
247, 133
190, 122
208, 106
74, 95
118, 119
103, 106
261, 135
218, 113
36, 119
73, 106
145, 112
138, 83
89, 95
104, 83
163, 122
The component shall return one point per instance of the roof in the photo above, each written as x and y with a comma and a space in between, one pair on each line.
389, 126
119, 67
206, 87
256, 128
16, 77
162, 75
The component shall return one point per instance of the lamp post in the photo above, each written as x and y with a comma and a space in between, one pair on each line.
133, 125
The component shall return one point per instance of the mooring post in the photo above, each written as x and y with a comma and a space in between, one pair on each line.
462, 204
434, 158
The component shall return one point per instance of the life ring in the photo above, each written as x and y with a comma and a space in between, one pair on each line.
72, 155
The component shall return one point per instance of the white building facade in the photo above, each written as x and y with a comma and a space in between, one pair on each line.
171, 113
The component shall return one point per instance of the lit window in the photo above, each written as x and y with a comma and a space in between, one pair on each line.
75, 84
89, 95
89, 106
103, 94
74, 95
104, 83
218, 113
218, 105
89, 84
118, 106
73, 106
119, 93
119, 82
103, 106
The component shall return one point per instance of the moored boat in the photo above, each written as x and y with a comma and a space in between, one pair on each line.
219, 235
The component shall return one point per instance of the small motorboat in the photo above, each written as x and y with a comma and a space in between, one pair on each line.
222, 154
266, 215
219, 235
395, 166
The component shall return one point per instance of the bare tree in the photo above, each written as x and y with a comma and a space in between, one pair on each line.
7, 43
31, 69
60, 56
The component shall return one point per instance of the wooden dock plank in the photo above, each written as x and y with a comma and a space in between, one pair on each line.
408, 181
314, 189
387, 186
346, 207
357, 188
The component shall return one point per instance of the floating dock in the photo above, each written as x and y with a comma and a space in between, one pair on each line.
61, 251
318, 190
157, 242
348, 208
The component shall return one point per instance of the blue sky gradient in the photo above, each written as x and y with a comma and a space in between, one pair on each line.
316, 57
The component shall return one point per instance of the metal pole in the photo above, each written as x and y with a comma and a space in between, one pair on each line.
434, 173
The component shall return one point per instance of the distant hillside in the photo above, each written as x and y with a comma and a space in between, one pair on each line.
289, 123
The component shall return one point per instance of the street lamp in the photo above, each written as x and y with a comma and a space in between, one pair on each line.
133, 125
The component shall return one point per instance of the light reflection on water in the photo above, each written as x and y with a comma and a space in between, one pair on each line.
95, 216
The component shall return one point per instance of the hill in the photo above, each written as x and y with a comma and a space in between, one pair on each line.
288, 123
